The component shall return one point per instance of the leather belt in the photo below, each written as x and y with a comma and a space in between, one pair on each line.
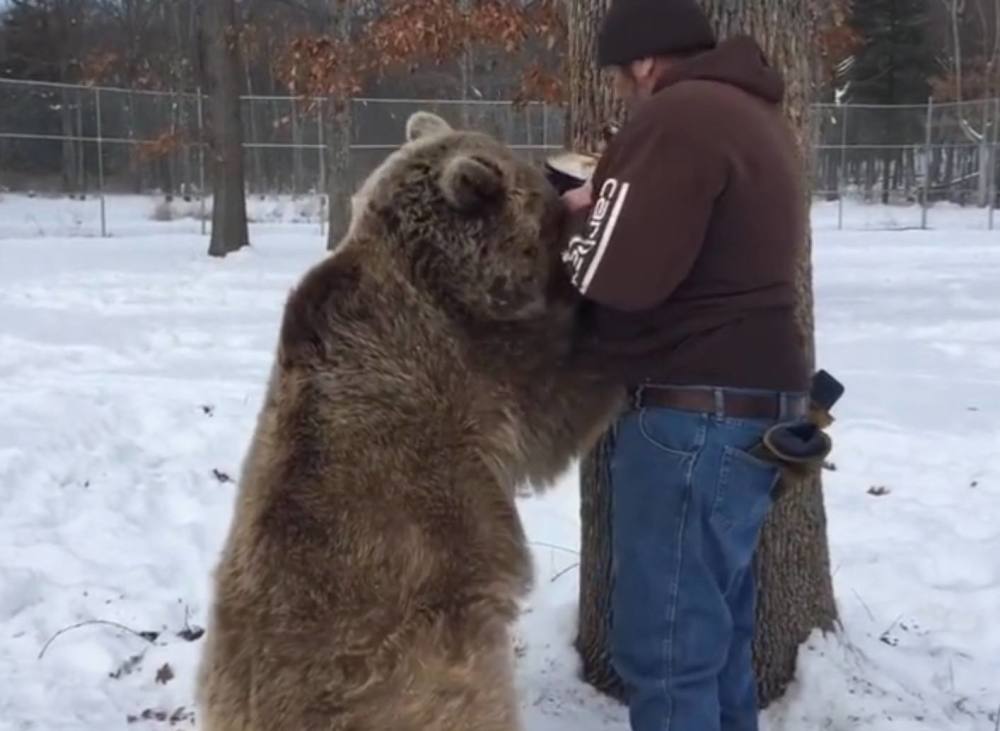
723, 402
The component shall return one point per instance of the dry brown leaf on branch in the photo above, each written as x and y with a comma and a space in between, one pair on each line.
411, 32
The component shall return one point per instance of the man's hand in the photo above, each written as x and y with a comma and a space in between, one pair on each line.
579, 199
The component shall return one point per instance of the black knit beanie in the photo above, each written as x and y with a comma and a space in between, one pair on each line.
635, 29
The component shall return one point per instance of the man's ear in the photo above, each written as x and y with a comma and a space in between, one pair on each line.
469, 182
424, 124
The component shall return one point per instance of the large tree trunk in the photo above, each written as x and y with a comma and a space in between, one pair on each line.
592, 104
793, 566
222, 76
592, 101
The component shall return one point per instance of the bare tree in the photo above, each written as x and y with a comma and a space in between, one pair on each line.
221, 70
983, 33
338, 146
793, 569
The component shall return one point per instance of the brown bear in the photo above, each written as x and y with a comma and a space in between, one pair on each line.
376, 560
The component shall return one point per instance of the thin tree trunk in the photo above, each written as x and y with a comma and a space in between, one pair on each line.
81, 165
886, 175
298, 174
69, 146
985, 159
135, 161
183, 113
222, 71
338, 159
256, 183
466, 65
72, 149
870, 174
793, 568
338, 141
980, 138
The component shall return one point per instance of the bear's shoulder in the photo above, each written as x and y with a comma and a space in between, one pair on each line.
331, 292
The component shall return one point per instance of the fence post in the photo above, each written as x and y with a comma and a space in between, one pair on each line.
843, 168
100, 161
322, 169
201, 161
928, 152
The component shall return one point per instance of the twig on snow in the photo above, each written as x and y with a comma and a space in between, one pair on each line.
554, 547
190, 633
867, 609
147, 636
563, 572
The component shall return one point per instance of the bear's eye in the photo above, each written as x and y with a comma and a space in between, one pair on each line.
527, 198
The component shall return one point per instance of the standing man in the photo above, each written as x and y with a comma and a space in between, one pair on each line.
685, 249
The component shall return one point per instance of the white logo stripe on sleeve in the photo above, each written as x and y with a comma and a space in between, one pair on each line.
586, 251
619, 200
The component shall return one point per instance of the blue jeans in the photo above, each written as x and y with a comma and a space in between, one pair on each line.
688, 503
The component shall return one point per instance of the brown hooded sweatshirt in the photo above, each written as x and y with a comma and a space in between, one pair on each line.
687, 258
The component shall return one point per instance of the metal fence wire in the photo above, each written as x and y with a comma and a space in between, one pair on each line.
98, 142
909, 157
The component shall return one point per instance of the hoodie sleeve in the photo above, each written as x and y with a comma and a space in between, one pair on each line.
654, 194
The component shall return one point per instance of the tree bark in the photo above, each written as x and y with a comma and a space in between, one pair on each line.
792, 565
222, 80
257, 181
338, 147
338, 158
70, 147
592, 101
592, 104
298, 140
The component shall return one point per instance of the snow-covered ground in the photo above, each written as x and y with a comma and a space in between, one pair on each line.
131, 371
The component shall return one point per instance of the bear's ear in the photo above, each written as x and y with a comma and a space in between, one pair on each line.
469, 182
424, 124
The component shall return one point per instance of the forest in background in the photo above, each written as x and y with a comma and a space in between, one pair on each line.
876, 52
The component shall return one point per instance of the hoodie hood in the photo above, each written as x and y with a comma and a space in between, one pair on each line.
738, 61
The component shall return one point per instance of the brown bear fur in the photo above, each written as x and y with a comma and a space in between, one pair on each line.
376, 558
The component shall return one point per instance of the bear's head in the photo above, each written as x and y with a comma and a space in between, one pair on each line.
476, 226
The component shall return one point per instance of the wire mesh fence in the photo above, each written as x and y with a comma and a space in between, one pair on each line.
911, 160
873, 166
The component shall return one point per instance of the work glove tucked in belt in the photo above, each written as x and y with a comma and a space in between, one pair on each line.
800, 447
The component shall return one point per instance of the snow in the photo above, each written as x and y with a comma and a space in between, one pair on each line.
132, 368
